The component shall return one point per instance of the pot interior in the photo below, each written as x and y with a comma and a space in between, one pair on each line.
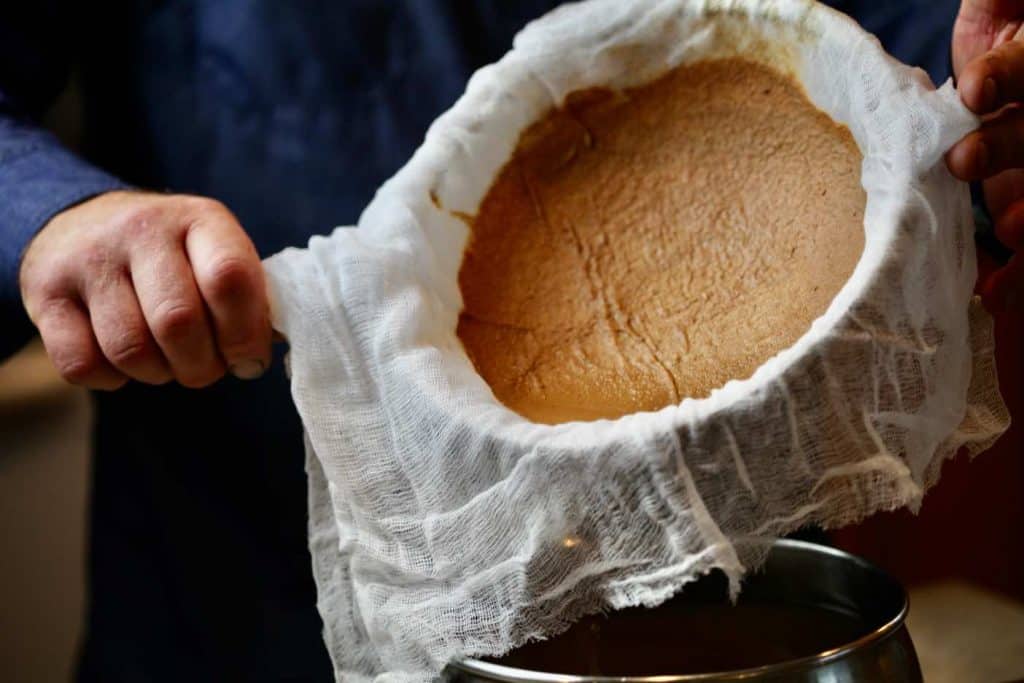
806, 602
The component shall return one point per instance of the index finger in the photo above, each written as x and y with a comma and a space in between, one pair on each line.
230, 278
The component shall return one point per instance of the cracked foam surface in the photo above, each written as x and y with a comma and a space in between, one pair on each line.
650, 245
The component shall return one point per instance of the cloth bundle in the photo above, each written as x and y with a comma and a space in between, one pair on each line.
444, 525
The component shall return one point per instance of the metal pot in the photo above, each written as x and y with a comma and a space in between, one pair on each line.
847, 614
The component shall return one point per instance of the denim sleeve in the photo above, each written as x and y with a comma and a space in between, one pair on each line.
38, 177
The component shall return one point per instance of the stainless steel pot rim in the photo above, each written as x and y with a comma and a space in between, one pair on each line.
509, 674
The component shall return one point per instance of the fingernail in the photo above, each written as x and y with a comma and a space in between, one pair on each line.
989, 94
248, 369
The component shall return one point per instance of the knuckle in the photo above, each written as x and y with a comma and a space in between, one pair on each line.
176, 321
45, 302
131, 349
94, 258
996, 54
75, 369
141, 223
51, 291
206, 205
42, 278
229, 277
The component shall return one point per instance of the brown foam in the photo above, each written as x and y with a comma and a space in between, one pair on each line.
646, 246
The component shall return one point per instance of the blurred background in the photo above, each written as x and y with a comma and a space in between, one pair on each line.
44, 475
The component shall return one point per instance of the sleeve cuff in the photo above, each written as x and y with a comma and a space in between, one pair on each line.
38, 179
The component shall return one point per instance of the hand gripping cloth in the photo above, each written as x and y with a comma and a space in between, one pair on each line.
442, 524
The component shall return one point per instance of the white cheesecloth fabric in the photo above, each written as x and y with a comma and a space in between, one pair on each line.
443, 524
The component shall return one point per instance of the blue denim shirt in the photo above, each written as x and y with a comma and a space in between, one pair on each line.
291, 113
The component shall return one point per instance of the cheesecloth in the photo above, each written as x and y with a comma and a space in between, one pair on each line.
442, 524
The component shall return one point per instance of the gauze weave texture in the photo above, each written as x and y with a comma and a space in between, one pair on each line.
443, 524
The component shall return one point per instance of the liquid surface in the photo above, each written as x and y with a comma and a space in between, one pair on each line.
647, 246
695, 639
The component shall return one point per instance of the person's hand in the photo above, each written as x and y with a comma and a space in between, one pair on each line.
988, 58
132, 285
